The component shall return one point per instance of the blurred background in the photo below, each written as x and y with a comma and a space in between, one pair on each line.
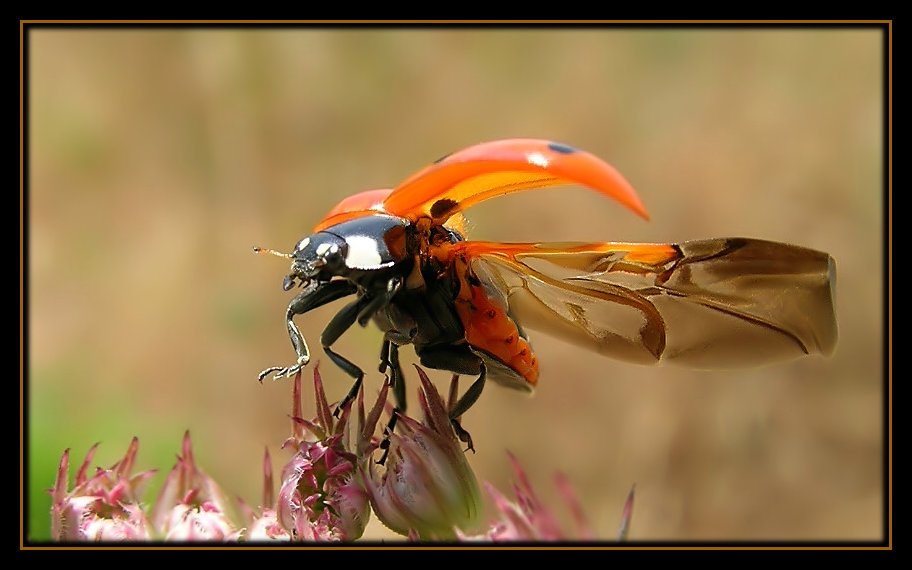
159, 157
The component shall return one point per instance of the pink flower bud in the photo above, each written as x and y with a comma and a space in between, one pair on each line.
427, 487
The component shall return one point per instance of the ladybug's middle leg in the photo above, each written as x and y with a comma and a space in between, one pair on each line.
368, 304
389, 357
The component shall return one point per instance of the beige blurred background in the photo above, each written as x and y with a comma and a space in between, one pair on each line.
159, 157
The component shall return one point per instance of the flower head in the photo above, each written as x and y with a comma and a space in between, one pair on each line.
265, 526
527, 519
190, 505
320, 498
427, 489
103, 507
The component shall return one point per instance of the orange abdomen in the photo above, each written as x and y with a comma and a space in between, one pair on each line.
488, 327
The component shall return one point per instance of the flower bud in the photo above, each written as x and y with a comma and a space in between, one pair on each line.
427, 487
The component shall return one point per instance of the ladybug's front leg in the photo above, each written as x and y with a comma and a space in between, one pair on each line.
305, 301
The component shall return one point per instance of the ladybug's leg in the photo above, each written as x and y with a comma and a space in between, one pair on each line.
461, 360
463, 404
380, 300
303, 302
344, 319
390, 357
471, 395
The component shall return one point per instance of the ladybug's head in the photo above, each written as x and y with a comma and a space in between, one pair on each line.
318, 257
356, 248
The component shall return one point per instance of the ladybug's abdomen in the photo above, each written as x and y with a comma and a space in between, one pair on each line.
489, 329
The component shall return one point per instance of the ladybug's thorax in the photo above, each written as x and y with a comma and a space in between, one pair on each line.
372, 242
439, 245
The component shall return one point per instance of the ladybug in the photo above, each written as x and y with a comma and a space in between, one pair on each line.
403, 256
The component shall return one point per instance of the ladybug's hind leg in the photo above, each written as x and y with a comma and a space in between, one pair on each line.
461, 360
463, 404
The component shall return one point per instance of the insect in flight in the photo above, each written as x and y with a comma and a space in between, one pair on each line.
464, 305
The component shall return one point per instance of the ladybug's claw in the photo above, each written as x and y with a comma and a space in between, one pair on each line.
463, 435
283, 371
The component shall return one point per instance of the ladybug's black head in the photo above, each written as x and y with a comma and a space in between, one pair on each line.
317, 257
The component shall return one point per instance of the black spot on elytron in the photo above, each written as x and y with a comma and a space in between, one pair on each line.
509, 339
561, 148
442, 158
491, 313
443, 207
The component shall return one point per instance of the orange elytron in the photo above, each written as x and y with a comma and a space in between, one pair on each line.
464, 305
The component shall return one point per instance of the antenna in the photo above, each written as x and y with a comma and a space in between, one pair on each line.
266, 250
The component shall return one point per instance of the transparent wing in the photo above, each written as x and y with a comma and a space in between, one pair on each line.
718, 303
